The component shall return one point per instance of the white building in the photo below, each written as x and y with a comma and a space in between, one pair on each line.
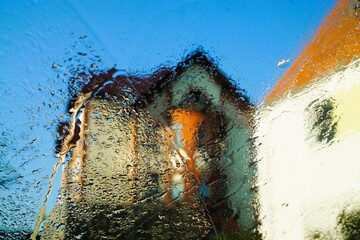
308, 138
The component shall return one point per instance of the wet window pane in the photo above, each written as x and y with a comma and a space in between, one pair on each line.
179, 120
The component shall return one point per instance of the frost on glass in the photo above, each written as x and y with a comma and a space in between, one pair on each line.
165, 156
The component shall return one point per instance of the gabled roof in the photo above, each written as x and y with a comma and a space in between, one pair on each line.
146, 87
336, 43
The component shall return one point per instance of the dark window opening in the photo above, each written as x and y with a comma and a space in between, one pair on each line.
325, 121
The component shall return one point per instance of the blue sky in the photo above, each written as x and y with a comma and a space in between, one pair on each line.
246, 39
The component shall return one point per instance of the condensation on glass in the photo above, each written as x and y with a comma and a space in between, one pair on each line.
183, 154
163, 157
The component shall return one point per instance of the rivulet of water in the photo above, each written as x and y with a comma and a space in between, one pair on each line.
61, 157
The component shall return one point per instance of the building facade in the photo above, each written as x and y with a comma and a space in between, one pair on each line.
308, 132
167, 156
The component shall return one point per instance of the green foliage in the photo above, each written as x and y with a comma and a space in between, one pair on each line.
242, 235
349, 223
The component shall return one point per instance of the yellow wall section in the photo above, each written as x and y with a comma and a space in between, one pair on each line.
348, 109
